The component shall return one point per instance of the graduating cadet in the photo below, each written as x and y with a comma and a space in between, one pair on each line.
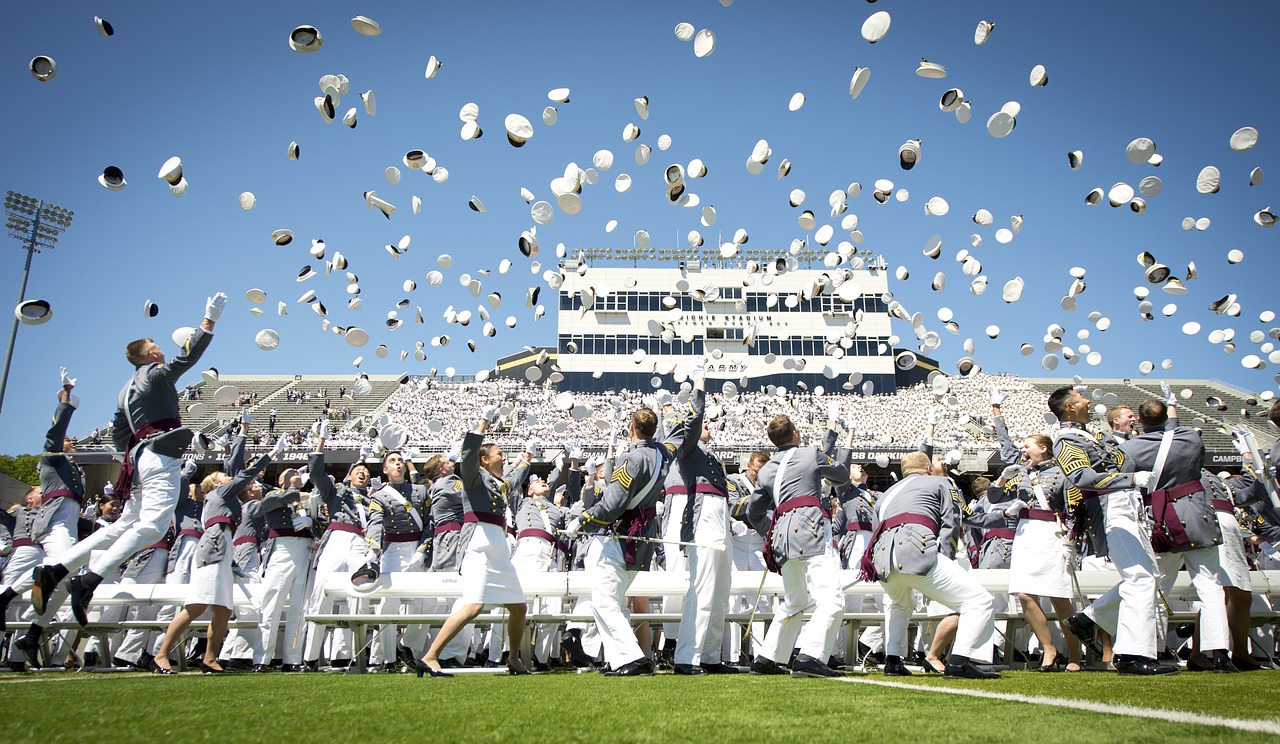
914, 547
539, 548
397, 534
148, 429
1094, 466
488, 577
287, 557
212, 583
623, 525
445, 500
785, 507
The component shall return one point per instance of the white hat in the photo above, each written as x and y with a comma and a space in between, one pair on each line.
112, 179
519, 130
704, 43
909, 154
150, 309
1075, 158
928, 69
1140, 150
305, 39
1012, 291
171, 171
33, 312
1039, 78
1001, 124
982, 32
797, 101
1209, 180
43, 68
248, 201
104, 28
267, 339
1244, 139
876, 26
1255, 176
1265, 217
951, 100
859, 81
365, 26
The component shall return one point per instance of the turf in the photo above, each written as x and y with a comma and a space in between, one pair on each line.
567, 707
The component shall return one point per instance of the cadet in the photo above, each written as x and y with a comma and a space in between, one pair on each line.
400, 537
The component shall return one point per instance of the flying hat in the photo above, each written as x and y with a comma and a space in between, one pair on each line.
305, 39
112, 179
704, 43
294, 151
876, 26
1039, 78
928, 69
365, 26
43, 68
104, 28
983, 32
33, 312
519, 130
150, 309
267, 339
1209, 180
365, 579
1244, 139
859, 81
909, 154
951, 100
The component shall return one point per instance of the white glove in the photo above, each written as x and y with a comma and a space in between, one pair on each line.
560, 461
1011, 472
418, 560
613, 439
592, 464
663, 398
245, 416
531, 447
279, 448
648, 401
833, 411
1144, 478
490, 414
323, 431
1169, 398
1268, 549
365, 451
575, 451
1013, 507
996, 398
74, 400
699, 371
934, 416
302, 522
571, 529
213, 307
67, 382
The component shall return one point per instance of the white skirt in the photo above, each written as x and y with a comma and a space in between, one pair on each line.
1231, 552
488, 576
212, 584
1038, 565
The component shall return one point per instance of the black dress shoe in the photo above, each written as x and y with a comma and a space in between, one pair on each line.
80, 596
340, 663
206, 669
1222, 663
30, 648
1247, 664
893, 667
162, 671
136, 666
405, 655
807, 666
47, 579
963, 668
262, 668
1086, 631
92, 659
1142, 666
237, 665
538, 666
720, 668
420, 667
762, 665
5, 598
688, 669
638, 668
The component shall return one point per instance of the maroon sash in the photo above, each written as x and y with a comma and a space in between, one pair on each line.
446, 527
1167, 534
487, 518
631, 524
1039, 515
867, 566
346, 527
791, 504
62, 493
124, 484
218, 520
535, 532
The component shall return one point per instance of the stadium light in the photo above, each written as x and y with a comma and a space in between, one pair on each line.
37, 224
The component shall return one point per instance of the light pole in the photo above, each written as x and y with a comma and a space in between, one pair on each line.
37, 224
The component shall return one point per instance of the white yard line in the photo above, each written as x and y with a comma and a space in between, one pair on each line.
1262, 726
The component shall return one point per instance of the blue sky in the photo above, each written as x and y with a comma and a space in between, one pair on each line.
221, 89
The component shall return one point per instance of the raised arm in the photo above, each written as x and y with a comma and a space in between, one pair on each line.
198, 342
57, 434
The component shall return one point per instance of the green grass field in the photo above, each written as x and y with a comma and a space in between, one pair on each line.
567, 707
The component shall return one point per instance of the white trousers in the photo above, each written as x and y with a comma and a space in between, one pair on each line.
950, 585
57, 540
284, 582
395, 558
1128, 610
610, 580
710, 573
675, 560
748, 555
1205, 568
535, 556
802, 579
144, 520
342, 552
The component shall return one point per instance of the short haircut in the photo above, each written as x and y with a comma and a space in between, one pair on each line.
135, 351
758, 457
1058, 401
1153, 414
1114, 414
781, 430
979, 486
645, 422
433, 467
915, 462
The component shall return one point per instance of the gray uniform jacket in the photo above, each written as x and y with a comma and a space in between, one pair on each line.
856, 514
1181, 469
149, 397
398, 513
536, 518
249, 535
783, 510
697, 473
222, 514
991, 532
342, 502
910, 547
1093, 466
628, 505
60, 476
279, 507
484, 495
445, 499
